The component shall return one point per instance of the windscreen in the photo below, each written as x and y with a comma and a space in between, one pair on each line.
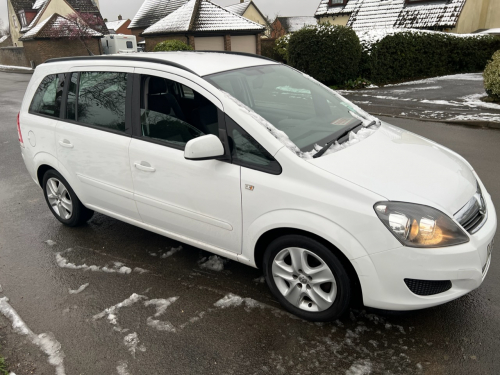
307, 112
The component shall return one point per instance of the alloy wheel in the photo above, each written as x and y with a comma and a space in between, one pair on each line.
304, 279
59, 198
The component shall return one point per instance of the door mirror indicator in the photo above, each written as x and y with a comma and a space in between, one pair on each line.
206, 147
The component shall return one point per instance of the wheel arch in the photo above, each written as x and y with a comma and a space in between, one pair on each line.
266, 238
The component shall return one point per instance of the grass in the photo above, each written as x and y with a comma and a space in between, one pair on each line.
3, 367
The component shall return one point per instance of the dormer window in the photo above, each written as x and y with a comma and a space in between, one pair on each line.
333, 3
22, 17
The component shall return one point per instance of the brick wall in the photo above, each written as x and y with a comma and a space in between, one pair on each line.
152, 41
137, 32
41, 50
14, 56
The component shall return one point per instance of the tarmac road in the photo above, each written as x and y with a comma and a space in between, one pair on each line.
186, 319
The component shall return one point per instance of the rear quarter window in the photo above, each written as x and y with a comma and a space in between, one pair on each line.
48, 97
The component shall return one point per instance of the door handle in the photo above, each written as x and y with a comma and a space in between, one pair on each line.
144, 166
66, 143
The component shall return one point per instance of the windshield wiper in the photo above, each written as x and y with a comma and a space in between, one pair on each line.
336, 136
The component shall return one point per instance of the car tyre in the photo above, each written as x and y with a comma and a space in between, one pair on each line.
62, 200
307, 278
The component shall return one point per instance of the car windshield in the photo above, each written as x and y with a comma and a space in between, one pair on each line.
307, 112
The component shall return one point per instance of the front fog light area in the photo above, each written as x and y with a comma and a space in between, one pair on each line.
420, 226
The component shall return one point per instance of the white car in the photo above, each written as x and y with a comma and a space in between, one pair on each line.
256, 162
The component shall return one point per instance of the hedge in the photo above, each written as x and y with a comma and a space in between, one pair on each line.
409, 55
172, 45
492, 77
331, 54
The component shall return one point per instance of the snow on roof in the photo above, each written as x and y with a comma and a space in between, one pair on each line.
206, 17
39, 3
115, 25
239, 8
53, 27
367, 14
293, 24
151, 11
3, 38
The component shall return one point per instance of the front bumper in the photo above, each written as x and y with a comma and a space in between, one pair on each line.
382, 274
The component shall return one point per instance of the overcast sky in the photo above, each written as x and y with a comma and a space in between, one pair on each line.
110, 9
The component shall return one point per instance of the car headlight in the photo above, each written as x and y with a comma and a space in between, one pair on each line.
420, 226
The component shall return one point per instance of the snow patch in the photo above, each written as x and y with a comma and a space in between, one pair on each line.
122, 368
110, 312
161, 307
116, 268
131, 341
140, 270
361, 367
50, 242
171, 252
79, 290
260, 280
10, 67
214, 263
46, 342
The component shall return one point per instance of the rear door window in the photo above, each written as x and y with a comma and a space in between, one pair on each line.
101, 100
48, 96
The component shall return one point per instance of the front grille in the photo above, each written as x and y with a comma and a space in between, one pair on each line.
473, 215
428, 287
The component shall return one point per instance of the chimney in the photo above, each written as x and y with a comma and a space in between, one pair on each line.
120, 17
242, 1
105, 20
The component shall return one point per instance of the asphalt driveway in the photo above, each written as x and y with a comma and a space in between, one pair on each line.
115, 299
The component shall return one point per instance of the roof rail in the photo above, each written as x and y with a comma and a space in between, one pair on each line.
122, 58
238, 54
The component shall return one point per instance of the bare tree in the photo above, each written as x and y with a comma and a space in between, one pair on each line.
4, 29
79, 26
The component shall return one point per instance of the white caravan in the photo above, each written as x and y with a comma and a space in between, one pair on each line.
118, 43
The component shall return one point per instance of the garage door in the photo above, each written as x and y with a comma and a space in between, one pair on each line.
245, 43
213, 43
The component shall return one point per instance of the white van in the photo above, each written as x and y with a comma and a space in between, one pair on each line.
118, 43
255, 161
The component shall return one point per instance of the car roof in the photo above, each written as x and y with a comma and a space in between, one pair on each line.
197, 62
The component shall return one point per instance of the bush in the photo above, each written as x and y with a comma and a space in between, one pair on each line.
281, 48
172, 45
330, 54
492, 77
407, 55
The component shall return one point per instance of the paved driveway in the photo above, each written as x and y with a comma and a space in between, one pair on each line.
181, 316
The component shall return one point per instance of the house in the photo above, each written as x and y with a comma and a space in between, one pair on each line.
24, 15
286, 25
206, 26
150, 12
120, 26
456, 16
250, 11
48, 40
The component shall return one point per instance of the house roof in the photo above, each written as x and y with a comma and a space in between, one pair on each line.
293, 24
115, 25
53, 27
239, 8
366, 14
151, 11
3, 38
202, 16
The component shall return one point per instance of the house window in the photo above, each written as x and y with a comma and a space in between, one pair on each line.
14, 21
337, 2
22, 16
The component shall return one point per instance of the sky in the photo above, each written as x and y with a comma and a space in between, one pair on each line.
110, 9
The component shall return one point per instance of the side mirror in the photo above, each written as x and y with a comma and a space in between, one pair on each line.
206, 147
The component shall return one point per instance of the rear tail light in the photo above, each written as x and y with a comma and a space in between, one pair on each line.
19, 130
